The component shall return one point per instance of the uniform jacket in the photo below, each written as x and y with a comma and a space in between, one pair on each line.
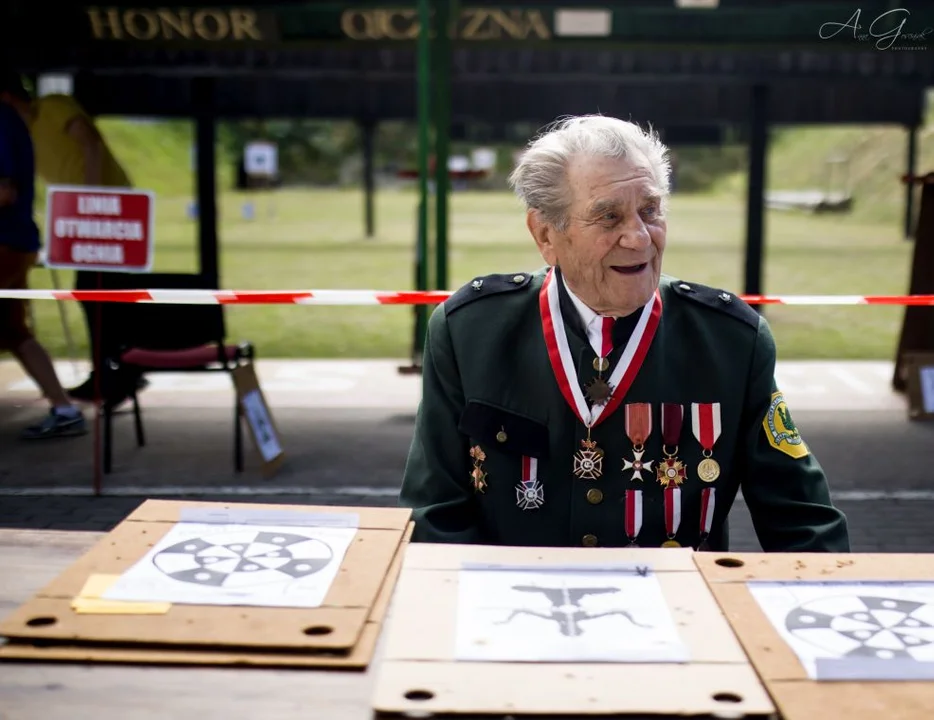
491, 403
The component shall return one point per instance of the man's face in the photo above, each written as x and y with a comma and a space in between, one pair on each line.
611, 252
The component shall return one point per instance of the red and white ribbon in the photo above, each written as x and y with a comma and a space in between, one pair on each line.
705, 422
708, 504
562, 363
529, 492
379, 297
672, 510
633, 520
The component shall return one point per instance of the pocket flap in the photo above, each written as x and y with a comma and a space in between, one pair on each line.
505, 430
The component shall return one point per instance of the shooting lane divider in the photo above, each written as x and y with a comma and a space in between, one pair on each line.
379, 297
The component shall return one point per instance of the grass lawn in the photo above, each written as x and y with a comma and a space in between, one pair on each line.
315, 240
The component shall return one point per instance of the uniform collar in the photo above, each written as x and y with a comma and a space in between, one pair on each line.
588, 317
585, 323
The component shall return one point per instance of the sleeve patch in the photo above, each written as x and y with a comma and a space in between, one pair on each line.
780, 429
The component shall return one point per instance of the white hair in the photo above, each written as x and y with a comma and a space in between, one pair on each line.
539, 178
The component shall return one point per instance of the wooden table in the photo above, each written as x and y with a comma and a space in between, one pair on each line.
29, 559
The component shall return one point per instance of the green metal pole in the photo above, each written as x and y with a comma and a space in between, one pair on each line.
442, 114
424, 110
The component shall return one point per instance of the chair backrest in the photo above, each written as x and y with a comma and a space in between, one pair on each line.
153, 326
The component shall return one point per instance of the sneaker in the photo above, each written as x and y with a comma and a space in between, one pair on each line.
57, 424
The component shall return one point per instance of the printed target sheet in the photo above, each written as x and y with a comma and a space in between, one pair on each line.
854, 630
224, 564
564, 615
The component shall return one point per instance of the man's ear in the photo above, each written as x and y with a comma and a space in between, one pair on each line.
543, 233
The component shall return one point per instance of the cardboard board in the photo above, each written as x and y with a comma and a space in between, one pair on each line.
420, 671
358, 658
919, 377
334, 628
255, 411
797, 695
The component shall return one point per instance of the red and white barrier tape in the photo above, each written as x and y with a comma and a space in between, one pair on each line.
380, 297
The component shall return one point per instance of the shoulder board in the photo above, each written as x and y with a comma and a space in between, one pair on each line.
486, 286
717, 299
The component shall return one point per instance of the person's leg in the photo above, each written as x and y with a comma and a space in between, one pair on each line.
38, 365
15, 335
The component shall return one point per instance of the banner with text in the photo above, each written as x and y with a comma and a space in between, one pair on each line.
101, 229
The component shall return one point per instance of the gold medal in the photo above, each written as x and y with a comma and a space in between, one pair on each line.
705, 421
671, 471
671, 544
708, 470
601, 364
598, 391
588, 462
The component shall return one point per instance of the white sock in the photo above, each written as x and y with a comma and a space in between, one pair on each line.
67, 410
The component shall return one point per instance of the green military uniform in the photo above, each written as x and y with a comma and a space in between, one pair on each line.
491, 399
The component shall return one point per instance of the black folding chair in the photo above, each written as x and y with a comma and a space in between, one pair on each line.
171, 338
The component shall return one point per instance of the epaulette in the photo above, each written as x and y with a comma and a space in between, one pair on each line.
718, 300
486, 286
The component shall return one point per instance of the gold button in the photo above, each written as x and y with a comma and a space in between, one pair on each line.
594, 496
518, 279
589, 540
501, 436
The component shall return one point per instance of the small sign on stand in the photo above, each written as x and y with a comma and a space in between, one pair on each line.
254, 409
919, 368
98, 229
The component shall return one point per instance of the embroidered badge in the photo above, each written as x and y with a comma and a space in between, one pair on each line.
780, 429
478, 475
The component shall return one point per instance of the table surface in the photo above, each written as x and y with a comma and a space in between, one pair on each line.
29, 559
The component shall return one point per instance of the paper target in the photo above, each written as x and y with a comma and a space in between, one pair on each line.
564, 614
853, 630
865, 626
261, 159
266, 565
243, 559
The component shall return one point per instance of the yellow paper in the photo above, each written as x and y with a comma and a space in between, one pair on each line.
89, 600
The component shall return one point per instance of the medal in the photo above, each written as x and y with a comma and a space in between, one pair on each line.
708, 504
638, 429
705, 422
672, 515
588, 461
478, 475
598, 391
529, 493
633, 519
671, 471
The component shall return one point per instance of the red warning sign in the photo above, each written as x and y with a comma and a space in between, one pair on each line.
102, 229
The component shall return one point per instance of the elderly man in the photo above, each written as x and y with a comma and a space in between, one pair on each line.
598, 402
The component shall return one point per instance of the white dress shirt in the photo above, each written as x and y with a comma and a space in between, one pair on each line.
593, 322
